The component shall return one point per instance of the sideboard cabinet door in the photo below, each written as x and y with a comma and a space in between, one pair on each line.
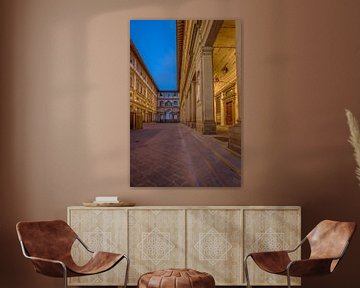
101, 230
156, 240
270, 230
214, 244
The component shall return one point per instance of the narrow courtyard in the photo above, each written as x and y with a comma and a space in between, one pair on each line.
174, 155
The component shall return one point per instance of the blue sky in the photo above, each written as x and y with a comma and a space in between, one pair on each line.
156, 42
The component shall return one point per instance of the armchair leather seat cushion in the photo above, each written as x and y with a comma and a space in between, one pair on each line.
99, 262
272, 262
276, 262
176, 278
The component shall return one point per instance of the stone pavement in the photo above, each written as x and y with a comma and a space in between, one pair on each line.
174, 155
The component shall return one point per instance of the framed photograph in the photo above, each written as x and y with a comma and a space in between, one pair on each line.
185, 103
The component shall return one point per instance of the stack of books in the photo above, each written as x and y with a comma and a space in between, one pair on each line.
106, 199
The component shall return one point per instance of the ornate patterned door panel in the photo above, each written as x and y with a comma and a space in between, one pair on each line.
270, 229
156, 240
101, 230
214, 242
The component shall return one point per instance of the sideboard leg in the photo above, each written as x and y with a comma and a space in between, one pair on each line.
246, 272
127, 270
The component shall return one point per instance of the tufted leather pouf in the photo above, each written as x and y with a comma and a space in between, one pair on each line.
176, 278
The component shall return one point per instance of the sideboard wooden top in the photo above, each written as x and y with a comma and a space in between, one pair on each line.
193, 207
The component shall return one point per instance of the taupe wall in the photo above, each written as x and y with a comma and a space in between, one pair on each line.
64, 113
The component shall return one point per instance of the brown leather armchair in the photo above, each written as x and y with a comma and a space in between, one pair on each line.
48, 245
328, 242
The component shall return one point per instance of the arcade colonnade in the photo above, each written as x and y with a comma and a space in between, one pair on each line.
209, 61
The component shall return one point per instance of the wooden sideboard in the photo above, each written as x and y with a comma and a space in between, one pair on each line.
213, 239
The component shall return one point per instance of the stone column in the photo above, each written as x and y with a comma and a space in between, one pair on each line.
198, 108
182, 111
207, 125
188, 107
235, 132
185, 110
193, 104
222, 110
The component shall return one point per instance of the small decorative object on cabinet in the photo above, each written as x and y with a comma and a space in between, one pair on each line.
211, 239
328, 242
108, 201
48, 245
109, 204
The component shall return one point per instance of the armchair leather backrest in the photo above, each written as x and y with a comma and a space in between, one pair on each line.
329, 239
47, 239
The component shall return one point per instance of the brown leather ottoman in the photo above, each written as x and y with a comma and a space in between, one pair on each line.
176, 278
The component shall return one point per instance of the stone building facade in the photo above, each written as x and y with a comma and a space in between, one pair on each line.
143, 91
168, 106
208, 56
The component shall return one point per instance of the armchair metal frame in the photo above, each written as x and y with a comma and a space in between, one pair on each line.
327, 262
63, 265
